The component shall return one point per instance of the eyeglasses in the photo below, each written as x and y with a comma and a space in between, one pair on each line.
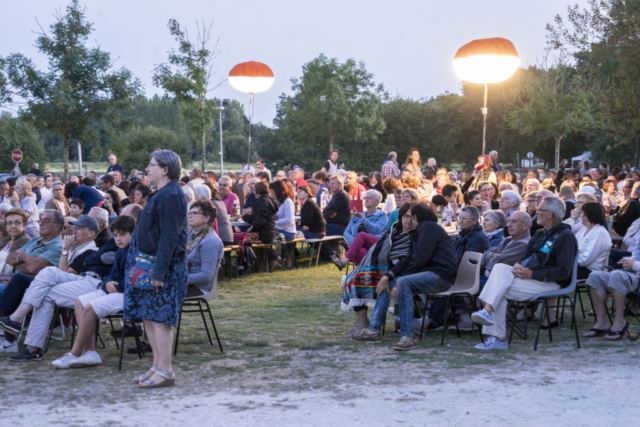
462, 218
153, 164
544, 210
12, 223
46, 221
407, 217
194, 213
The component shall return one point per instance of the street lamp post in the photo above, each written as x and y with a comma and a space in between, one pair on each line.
486, 61
251, 77
221, 107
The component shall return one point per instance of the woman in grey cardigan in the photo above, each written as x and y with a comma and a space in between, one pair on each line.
204, 248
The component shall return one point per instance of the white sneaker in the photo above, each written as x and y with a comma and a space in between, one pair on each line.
493, 343
89, 358
8, 347
65, 361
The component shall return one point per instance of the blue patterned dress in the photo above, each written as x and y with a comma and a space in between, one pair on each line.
161, 231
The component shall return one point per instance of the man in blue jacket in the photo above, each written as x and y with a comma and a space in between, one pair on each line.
546, 265
429, 268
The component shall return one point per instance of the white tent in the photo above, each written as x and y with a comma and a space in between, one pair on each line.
583, 157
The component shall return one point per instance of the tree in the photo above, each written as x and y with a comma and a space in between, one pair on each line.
555, 102
188, 77
602, 42
5, 92
333, 105
80, 87
15, 133
134, 149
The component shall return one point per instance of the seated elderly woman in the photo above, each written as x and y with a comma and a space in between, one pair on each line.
510, 203
382, 255
575, 221
493, 224
408, 195
15, 237
594, 240
371, 221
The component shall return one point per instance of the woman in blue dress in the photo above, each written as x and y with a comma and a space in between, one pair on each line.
159, 243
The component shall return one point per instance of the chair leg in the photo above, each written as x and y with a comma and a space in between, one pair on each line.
544, 310
446, 317
175, 347
574, 321
53, 320
138, 341
578, 297
113, 329
121, 346
215, 331
205, 322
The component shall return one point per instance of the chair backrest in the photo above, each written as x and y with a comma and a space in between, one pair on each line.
564, 291
468, 277
214, 287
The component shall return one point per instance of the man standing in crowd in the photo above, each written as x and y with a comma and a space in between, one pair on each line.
210, 177
494, 158
114, 165
35, 170
261, 168
330, 167
4, 192
109, 183
246, 167
390, 167
299, 176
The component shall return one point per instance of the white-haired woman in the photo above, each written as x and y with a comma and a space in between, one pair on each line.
371, 221
493, 225
23, 199
509, 203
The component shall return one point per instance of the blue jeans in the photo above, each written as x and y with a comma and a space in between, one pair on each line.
425, 282
332, 230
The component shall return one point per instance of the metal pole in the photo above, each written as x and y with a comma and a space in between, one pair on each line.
250, 120
221, 155
80, 159
484, 128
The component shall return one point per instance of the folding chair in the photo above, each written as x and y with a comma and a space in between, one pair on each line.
120, 316
467, 285
562, 293
200, 304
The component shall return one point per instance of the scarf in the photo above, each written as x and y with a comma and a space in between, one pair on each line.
196, 238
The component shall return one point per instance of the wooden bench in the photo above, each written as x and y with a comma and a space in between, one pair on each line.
316, 252
288, 252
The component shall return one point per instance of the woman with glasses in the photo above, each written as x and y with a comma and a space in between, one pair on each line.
15, 223
155, 295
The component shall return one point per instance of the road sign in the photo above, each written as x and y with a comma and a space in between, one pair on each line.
16, 171
530, 155
16, 156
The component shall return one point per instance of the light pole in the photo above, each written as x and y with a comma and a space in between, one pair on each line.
222, 107
486, 61
251, 77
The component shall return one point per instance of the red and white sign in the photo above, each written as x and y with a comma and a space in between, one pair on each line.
16, 156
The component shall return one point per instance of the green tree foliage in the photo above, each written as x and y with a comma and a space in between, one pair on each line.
188, 76
602, 42
80, 87
554, 101
334, 105
5, 91
16, 134
138, 144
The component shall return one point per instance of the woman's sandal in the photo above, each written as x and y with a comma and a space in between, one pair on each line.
144, 377
596, 333
617, 335
168, 381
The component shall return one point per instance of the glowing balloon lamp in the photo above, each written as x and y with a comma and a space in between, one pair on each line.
486, 61
251, 77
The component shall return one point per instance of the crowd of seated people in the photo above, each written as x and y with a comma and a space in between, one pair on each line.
65, 244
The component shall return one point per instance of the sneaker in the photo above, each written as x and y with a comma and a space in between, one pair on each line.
89, 358
26, 356
64, 362
493, 343
8, 347
10, 326
482, 317
366, 337
406, 343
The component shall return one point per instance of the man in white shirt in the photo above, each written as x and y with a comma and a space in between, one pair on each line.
261, 168
330, 167
246, 167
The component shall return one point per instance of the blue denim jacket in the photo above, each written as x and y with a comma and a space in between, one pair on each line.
376, 225
162, 228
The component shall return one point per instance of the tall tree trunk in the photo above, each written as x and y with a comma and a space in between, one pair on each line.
204, 148
557, 164
65, 158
